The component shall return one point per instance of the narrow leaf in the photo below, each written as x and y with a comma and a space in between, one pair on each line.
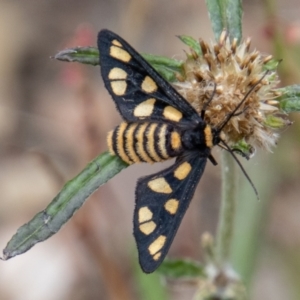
244, 149
84, 55
226, 14
277, 122
271, 65
181, 268
215, 15
149, 286
289, 101
191, 42
163, 61
64, 205
166, 67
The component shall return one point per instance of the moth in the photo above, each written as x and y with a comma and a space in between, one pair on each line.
159, 124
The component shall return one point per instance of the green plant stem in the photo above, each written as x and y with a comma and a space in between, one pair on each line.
227, 210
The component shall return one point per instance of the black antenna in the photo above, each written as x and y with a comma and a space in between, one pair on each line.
236, 150
225, 146
241, 167
239, 105
208, 101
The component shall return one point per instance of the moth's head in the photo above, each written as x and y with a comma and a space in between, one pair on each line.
216, 136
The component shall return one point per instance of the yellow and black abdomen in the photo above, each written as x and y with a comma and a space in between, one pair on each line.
144, 142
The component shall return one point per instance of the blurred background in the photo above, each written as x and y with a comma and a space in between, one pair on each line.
54, 117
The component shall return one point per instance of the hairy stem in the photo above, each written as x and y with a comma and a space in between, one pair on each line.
228, 208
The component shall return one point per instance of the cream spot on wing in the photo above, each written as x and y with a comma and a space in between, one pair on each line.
145, 214
118, 87
157, 256
157, 244
119, 54
182, 171
149, 85
159, 185
148, 227
145, 108
171, 206
117, 43
172, 114
117, 73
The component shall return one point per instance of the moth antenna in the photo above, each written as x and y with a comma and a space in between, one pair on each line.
241, 167
209, 100
245, 155
239, 105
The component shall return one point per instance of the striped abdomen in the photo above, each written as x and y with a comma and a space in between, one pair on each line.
144, 142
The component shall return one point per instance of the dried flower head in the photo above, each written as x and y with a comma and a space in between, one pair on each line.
220, 285
234, 69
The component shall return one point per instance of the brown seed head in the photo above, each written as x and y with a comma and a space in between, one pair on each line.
235, 70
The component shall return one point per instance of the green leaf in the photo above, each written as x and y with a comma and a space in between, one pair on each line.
84, 55
191, 42
226, 14
64, 205
148, 286
181, 268
271, 65
289, 101
277, 122
166, 67
244, 149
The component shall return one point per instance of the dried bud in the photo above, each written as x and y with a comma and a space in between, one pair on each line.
221, 284
234, 69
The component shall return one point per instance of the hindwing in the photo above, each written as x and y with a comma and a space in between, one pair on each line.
161, 202
139, 92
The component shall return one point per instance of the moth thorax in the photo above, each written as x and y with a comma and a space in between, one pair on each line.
198, 138
144, 142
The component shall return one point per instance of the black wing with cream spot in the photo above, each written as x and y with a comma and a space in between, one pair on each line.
161, 202
137, 89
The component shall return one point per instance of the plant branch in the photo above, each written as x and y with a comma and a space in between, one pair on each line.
228, 208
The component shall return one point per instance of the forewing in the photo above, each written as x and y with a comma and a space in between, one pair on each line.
161, 202
138, 90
